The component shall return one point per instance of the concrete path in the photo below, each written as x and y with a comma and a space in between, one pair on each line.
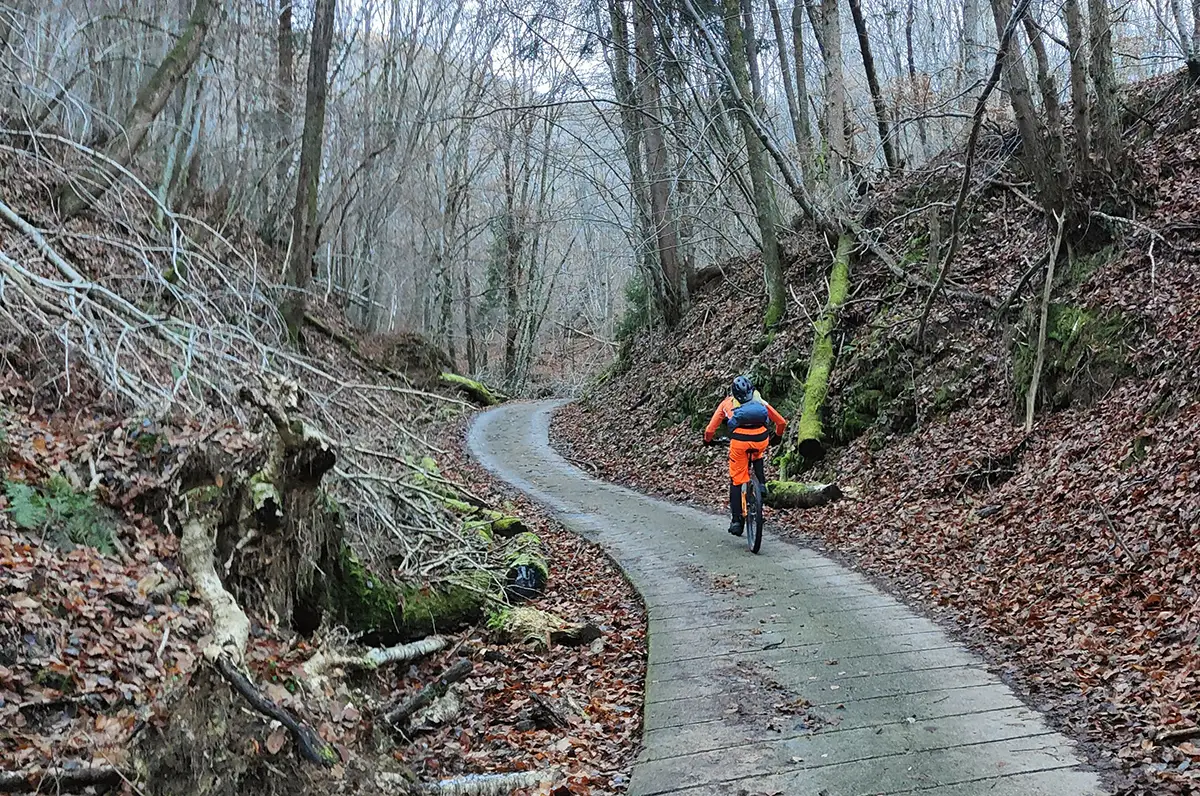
785, 673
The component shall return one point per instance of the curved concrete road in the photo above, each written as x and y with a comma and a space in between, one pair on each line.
785, 673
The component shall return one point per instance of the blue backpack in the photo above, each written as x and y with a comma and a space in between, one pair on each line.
752, 414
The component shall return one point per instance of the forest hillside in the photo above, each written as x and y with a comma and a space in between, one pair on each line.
1065, 550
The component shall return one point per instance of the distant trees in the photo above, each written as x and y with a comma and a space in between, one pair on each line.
466, 172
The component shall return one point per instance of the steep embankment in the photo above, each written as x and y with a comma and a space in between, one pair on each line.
204, 527
1069, 553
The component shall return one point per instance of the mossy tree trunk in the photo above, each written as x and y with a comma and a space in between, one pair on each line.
798, 495
810, 435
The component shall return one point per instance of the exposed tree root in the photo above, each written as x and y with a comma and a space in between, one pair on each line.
319, 664
311, 747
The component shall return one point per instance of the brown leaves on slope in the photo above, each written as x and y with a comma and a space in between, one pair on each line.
1070, 556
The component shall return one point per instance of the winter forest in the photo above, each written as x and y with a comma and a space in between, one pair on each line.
266, 265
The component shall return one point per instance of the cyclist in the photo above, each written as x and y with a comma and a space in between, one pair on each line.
746, 415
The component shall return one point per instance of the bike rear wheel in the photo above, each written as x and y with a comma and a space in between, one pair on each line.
754, 515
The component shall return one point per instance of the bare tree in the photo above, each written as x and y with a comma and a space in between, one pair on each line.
881, 114
673, 279
765, 207
303, 243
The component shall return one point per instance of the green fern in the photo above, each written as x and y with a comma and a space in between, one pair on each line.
25, 505
65, 517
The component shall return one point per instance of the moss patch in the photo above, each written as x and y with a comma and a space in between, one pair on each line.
367, 603
1086, 353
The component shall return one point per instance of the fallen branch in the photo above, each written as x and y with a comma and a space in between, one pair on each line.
1178, 734
1040, 359
58, 779
1117, 536
1025, 277
310, 745
351, 347
873, 246
489, 784
401, 714
316, 666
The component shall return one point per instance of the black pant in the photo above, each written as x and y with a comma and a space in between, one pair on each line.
735, 491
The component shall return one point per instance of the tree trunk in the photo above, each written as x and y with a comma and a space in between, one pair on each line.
750, 37
469, 321
631, 127
881, 120
1073, 18
1194, 58
835, 94
1104, 80
1049, 91
804, 132
1029, 123
785, 69
76, 195
666, 238
764, 195
285, 106
810, 432
303, 244
513, 243
972, 52
919, 92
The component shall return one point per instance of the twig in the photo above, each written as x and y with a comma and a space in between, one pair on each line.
1113, 529
1039, 361
401, 714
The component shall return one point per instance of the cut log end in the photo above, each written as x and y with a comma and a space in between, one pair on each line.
811, 450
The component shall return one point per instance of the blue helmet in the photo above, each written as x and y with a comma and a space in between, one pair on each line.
743, 389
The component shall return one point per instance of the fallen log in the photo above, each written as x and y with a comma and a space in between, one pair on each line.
399, 715
798, 495
471, 784
477, 391
58, 779
488, 784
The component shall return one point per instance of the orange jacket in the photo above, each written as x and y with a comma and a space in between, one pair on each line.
725, 411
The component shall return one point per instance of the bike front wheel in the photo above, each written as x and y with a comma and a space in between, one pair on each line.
754, 514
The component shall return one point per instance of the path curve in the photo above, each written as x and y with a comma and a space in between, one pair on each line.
784, 673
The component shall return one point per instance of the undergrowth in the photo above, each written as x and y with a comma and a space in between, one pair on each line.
64, 517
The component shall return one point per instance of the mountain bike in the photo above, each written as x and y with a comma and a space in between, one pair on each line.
752, 503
